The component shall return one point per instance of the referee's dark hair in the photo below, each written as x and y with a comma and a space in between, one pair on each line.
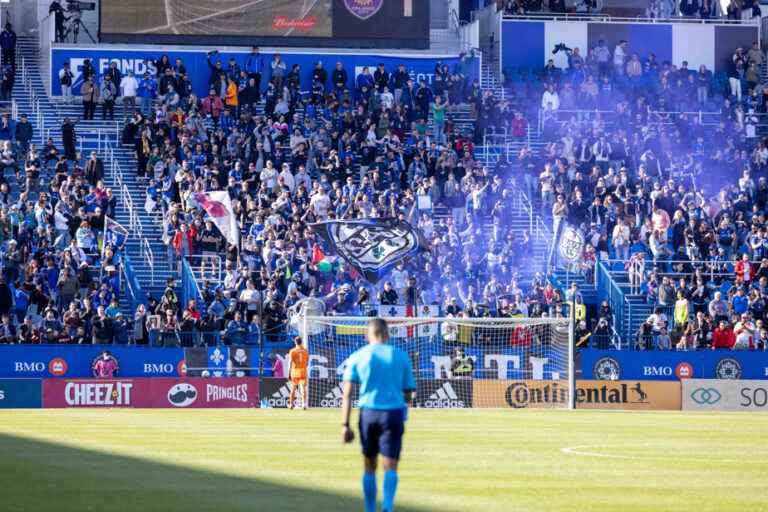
378, 328
297, 340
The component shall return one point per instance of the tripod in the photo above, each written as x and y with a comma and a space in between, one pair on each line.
75, 24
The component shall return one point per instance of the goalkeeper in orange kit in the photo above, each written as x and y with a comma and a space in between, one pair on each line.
298, 361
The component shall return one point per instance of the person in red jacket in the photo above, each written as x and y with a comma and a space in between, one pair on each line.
183, 241
723, 337
744, 271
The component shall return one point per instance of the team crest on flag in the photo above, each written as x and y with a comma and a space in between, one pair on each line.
372, 246
571, 244
363, 9
428, 328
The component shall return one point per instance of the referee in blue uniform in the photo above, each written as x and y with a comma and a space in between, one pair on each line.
386, 383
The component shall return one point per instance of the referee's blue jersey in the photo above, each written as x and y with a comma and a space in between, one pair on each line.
384, 374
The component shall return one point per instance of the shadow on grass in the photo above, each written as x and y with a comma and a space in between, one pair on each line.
39, 477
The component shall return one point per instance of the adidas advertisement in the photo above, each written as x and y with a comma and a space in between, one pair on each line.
327, 393
444, 394
274, 393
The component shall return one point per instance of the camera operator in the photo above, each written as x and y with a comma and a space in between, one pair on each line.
59, 18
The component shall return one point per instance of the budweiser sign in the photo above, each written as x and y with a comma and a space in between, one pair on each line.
303, 24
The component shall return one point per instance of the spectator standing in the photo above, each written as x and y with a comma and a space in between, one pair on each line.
23, 134
147, 92
129, 87
8, 46
619, 57
254, 66
90, 94
108, 95
69, 137
66, 77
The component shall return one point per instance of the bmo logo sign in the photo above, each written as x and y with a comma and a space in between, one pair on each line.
29, 366
159, 368
657, 371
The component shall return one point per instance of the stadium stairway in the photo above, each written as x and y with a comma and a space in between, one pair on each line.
144, 246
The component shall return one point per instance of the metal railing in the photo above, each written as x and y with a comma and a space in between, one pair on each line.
607, 18
203, 266
562, 115
149, 257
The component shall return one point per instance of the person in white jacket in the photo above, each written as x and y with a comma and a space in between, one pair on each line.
129, 86
550, 99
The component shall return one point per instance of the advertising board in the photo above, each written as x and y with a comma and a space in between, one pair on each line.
20, 393
592, 394
46, 361
725, 395
672, 365
196, 62
152, 393
628, 394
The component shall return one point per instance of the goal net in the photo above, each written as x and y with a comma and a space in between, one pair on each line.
457, 362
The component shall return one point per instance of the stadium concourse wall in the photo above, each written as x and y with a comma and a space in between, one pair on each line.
529, 43
138, 59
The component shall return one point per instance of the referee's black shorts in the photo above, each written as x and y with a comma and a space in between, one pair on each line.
381, 432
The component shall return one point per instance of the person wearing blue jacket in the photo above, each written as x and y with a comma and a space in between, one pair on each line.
8, 46
147, 92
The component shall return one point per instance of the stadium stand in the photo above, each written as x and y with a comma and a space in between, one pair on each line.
662, 168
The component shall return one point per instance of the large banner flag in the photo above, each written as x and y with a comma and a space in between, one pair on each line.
218, 206
567, 247
114, 234
372, 246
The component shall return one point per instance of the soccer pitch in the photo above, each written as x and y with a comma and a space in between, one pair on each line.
454, 460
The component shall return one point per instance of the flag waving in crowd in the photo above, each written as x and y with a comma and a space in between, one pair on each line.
372, 246
114, 234
218, 206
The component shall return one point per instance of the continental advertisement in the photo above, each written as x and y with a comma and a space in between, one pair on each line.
590, 394
725, 395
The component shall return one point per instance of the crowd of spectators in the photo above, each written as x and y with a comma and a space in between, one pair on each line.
676, 196
59, 277
338, 146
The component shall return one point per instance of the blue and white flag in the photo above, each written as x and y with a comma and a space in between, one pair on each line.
372, 246
114, 234
567, 247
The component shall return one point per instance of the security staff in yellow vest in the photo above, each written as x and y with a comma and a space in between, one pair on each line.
581, 310
462, 365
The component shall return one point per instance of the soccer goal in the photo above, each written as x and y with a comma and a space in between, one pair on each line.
457, 362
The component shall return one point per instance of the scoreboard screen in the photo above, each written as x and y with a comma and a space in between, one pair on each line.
348, 23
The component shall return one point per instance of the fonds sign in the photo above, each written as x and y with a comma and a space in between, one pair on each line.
196, 62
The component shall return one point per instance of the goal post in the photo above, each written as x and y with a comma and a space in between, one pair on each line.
458, 362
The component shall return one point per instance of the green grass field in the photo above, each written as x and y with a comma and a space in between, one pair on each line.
454, 460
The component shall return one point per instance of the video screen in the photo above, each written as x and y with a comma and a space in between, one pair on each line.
260, 18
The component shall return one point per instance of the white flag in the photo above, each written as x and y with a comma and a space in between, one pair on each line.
396, 330
218, 206
428, 311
